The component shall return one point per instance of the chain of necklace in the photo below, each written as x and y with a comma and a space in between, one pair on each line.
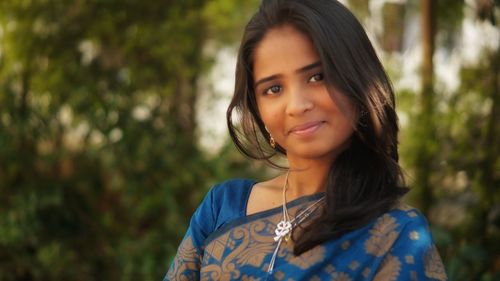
285, 227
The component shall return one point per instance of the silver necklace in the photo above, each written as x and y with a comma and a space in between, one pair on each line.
285, 226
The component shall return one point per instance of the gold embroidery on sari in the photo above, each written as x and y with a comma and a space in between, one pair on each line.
409, 259
354, 265
251, 250
414, 235
412, 214
341, 276
433, 265
333, 275
383, 235
389, 269
187, 260
366, 272
413, 275
214, 271
258, 247
345, 245
248, 245
216, 249
307, 259
279, 275
403, 207
249, 278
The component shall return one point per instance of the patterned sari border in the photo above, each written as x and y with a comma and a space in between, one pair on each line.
259, 215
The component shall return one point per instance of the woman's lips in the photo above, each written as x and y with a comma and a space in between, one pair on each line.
306, 128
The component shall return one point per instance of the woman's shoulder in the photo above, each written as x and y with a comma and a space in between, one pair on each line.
223, 202
401, 220
403, 242
401, 217
233, 185
228, 199
407, 214
230, 190
403, 223
401, 227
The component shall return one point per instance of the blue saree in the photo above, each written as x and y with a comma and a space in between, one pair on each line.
222, 243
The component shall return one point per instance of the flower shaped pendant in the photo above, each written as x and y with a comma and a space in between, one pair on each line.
283, 229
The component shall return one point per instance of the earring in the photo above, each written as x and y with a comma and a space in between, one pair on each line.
272, 142
363, 118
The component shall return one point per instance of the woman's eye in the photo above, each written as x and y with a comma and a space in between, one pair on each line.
316, 77
273, 90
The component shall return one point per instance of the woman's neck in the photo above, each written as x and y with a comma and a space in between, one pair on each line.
307, 177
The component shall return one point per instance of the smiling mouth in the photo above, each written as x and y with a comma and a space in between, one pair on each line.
307, 128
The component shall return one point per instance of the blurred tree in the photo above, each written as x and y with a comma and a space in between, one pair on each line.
99, 166
450, 144
477, 257
470, 149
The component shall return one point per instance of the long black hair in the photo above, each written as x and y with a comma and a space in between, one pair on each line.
365, 179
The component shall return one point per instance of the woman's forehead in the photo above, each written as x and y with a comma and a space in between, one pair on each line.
283, 48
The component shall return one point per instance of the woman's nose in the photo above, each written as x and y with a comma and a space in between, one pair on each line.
298, 101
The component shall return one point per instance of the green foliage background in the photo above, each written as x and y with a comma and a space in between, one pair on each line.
99, 163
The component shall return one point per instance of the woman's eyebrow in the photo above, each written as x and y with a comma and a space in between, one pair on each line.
300, 70
265, 79
308, 67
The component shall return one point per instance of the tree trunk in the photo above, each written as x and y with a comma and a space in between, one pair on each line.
426, 127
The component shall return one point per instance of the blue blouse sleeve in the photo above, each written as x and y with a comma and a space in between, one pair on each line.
413, 256
223, 202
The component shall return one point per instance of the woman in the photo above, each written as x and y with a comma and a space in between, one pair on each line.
309, 86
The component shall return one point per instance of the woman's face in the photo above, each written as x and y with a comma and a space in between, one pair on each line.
307, 120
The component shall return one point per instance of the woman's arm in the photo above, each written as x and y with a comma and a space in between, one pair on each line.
187, 262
